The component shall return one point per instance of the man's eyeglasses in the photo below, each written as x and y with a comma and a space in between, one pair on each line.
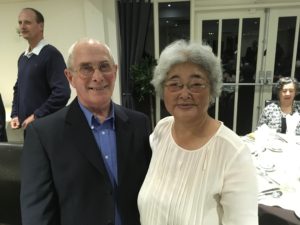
194, 86
87, 70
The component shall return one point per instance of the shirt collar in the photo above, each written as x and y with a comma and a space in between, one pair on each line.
90, 116
36, 50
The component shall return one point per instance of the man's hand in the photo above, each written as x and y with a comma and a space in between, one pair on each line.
27, 121
14, 123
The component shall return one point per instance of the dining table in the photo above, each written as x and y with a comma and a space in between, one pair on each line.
276, 158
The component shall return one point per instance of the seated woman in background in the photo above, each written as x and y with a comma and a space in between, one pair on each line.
201, 172
274, 115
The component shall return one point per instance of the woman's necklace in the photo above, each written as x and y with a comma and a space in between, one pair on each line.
286, 110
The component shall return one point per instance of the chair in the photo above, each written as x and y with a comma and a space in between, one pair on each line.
268, 102
273, 215
10, 213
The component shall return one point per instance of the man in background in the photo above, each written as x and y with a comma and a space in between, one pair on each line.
41, 87
85, 164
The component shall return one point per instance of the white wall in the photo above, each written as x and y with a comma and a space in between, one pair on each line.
239, 3
65, 22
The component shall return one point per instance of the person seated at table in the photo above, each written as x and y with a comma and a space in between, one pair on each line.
201, 172
274, 114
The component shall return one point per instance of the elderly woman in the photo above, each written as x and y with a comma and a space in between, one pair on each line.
201, 172
274, 114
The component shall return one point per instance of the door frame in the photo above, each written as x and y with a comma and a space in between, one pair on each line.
239, 14
269, 17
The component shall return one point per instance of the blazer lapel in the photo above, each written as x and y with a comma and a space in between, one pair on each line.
123, 139
79, 132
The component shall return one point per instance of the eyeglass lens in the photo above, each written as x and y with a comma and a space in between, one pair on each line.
194, 86
89, 69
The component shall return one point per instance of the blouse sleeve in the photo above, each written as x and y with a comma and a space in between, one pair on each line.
239, 193
263, 119
271, 116
297, 110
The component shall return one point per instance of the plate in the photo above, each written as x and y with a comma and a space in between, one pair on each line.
268, 166
275, 149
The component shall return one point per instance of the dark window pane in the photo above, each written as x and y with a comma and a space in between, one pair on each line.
297, 65
284, 47
228, 55
249, 50
210, 33
248, 60
174, 24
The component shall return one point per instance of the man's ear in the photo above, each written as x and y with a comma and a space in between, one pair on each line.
69, 76
116, 68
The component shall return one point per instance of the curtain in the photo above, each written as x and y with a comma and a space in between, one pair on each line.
134, 18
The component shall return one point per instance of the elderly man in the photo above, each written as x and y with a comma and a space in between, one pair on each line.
85, 163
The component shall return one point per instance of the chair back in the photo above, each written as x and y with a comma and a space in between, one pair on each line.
10, 213
268, 102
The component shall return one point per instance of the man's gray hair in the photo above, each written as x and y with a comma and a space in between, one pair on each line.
85, 40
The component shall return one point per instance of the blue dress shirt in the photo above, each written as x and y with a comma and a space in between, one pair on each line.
105, 137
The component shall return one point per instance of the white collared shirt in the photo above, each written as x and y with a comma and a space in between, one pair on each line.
36, 50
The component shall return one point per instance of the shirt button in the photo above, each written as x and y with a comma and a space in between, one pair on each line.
103, 132
106, 157
92, 127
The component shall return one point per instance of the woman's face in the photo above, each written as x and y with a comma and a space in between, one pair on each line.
187, 91
287, 94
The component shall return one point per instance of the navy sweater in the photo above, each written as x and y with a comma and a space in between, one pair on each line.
41, 87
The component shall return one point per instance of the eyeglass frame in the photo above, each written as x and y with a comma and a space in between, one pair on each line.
180, 86
94, 68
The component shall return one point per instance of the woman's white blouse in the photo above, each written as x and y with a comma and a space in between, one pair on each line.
213, 185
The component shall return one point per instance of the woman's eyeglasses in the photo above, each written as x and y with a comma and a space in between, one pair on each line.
194, 86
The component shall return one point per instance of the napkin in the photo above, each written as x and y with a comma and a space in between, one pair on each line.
262, 136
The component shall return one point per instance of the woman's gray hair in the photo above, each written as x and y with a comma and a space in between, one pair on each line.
182, 51
283, 81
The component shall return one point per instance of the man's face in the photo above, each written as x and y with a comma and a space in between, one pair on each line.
93, 75
28, 26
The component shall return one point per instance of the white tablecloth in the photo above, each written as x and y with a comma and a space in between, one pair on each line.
277, 159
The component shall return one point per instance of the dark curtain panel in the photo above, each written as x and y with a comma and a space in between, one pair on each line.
134, 17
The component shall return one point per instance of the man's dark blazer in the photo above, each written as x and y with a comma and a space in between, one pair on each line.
3, 136
63, 176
